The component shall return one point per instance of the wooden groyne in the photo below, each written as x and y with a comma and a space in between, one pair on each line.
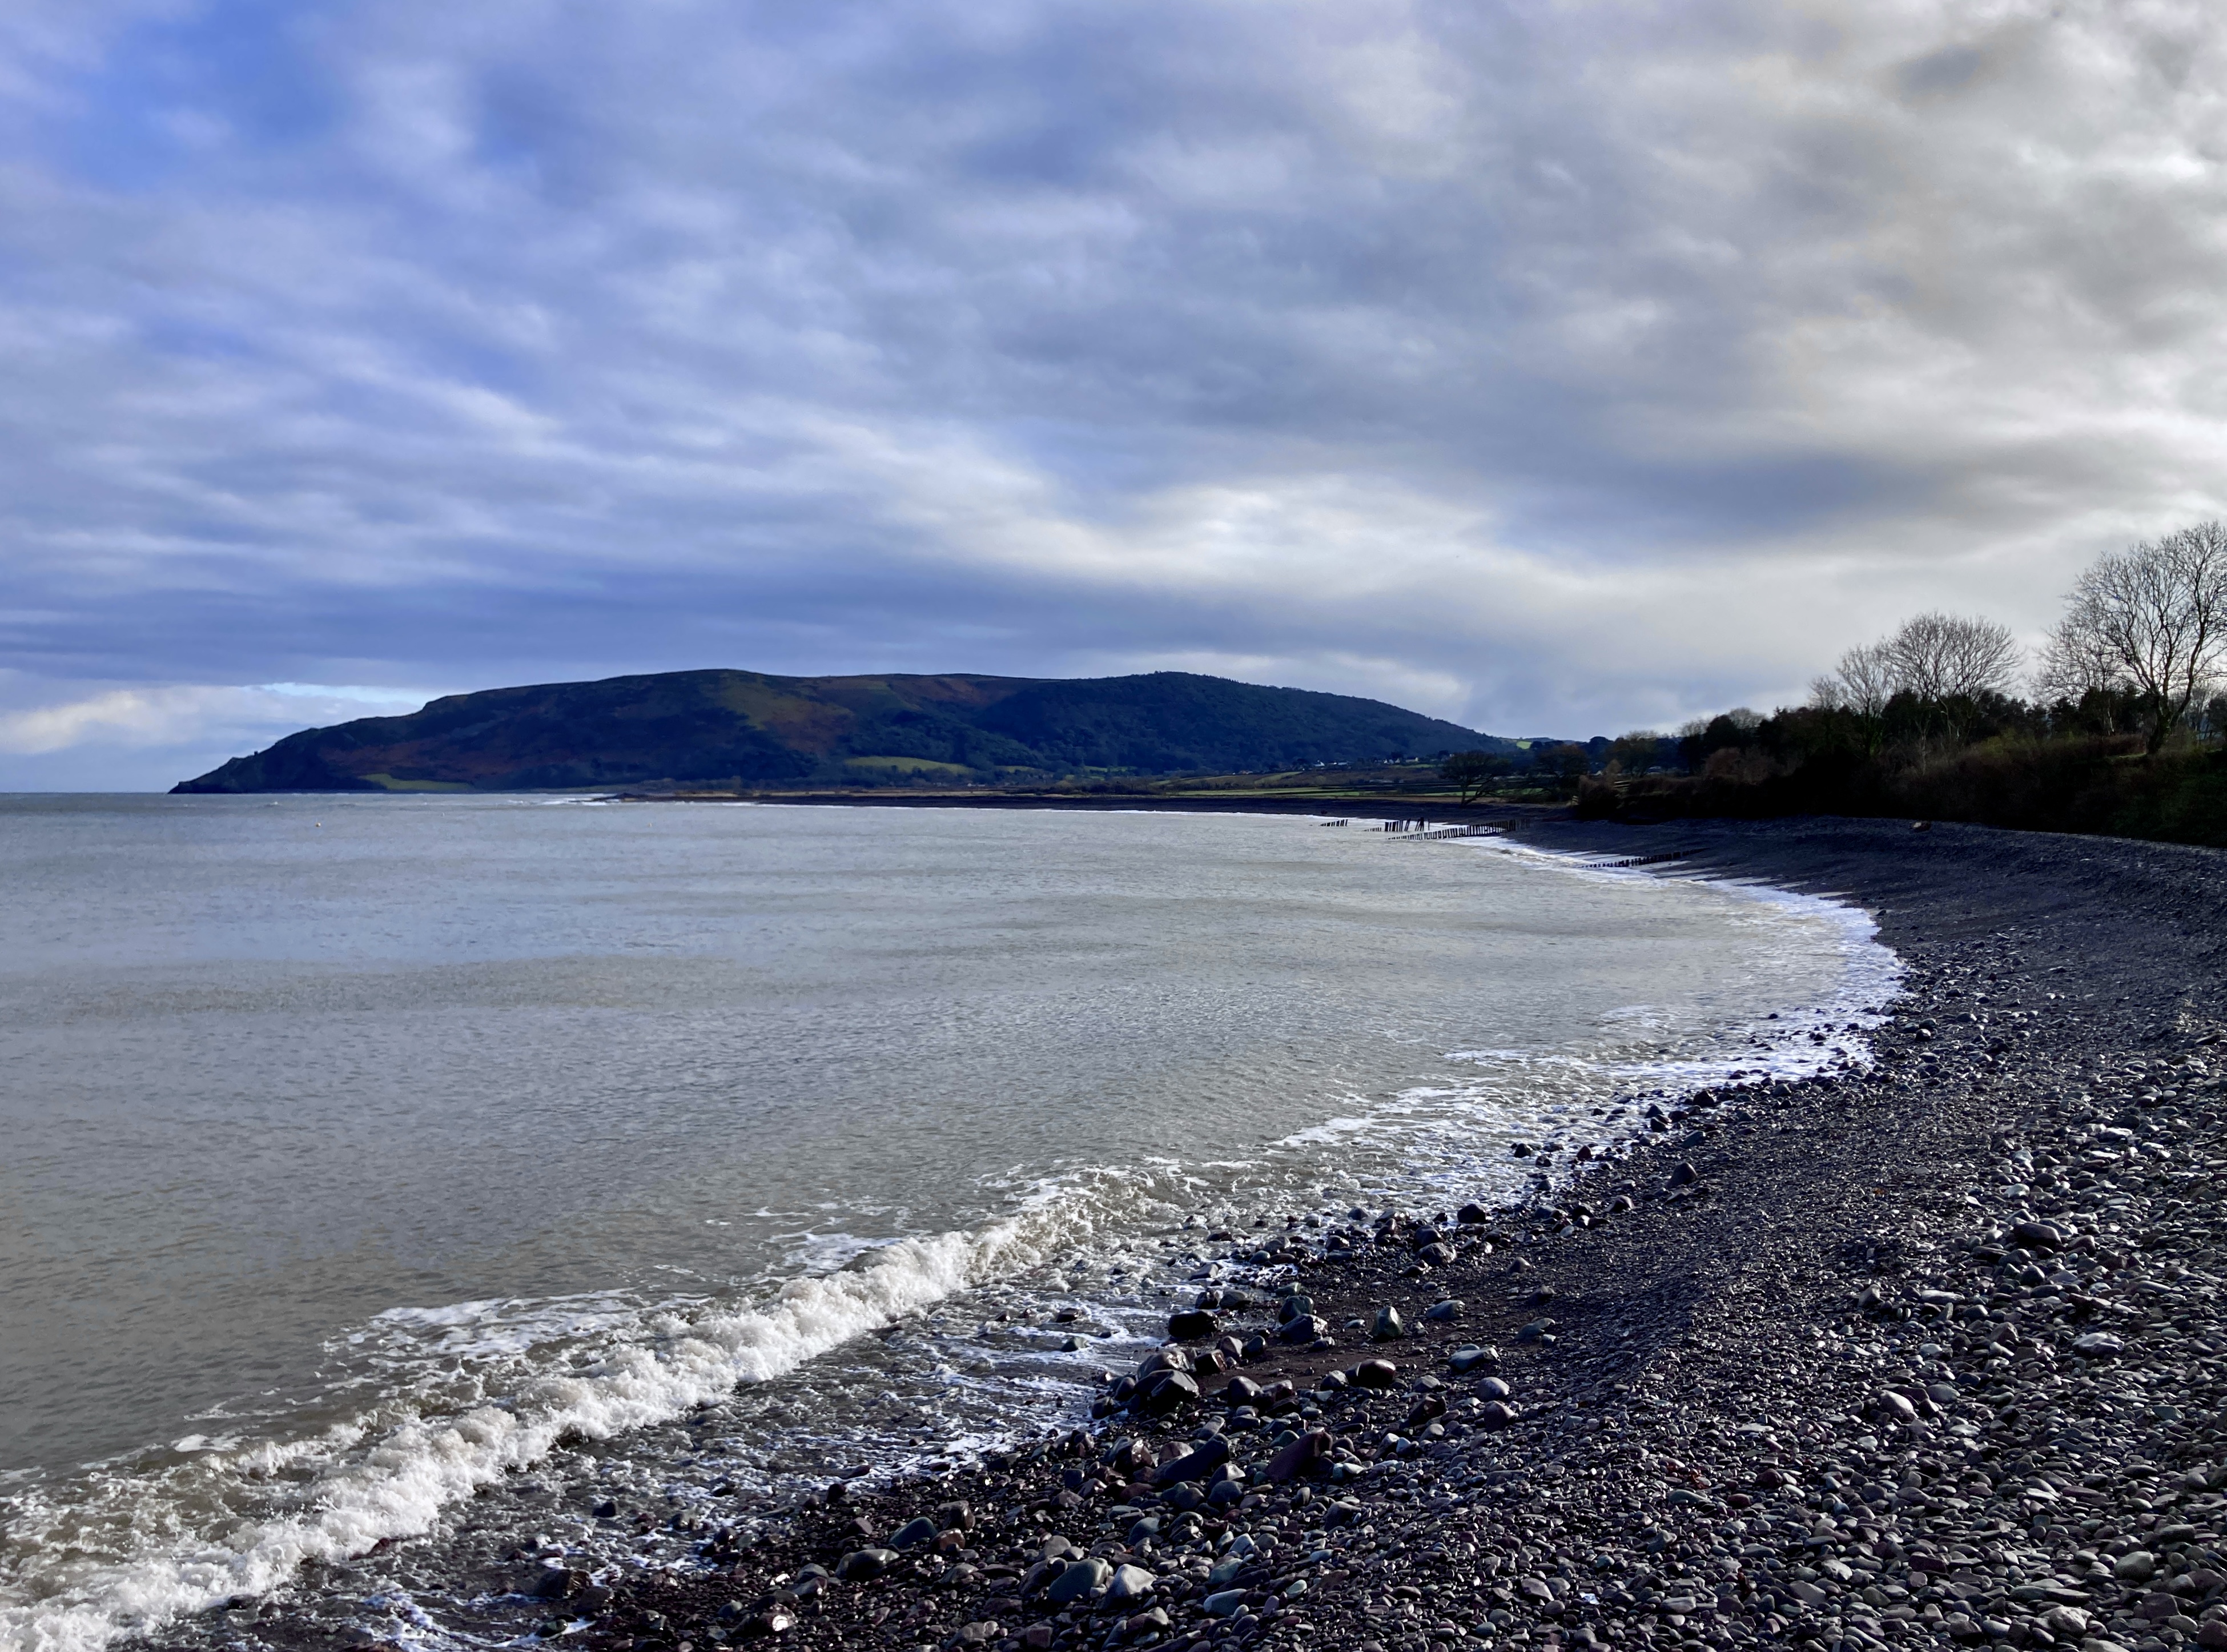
1424, 832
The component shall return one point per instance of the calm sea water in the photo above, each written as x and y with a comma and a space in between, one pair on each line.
358, 1151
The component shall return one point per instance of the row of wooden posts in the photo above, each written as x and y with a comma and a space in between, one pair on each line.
1424, 830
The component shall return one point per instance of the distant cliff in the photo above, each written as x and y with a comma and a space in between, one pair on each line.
742, 728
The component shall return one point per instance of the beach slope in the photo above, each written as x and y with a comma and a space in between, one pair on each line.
1929, 1354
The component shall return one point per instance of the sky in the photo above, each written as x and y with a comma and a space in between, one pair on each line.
1553, 368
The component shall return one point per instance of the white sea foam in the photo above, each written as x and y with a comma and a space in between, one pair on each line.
491, 1329
136, 1545
368, 1483
1446, 1134
1329, 1132
1870, 974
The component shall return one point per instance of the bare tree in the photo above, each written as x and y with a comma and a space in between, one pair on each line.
1946, 656
2076, 661
1863, 682
2154, 618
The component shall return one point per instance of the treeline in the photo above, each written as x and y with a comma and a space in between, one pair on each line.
1557, 768
2116, 727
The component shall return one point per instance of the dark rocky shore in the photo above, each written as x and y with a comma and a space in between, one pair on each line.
1932, 1352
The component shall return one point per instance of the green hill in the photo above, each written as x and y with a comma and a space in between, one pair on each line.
742, 728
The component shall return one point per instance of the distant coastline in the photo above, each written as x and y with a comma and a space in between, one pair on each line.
1438, 808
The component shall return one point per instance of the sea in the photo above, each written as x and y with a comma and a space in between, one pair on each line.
370, 1165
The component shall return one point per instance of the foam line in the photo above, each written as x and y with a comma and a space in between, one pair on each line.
150, 1553
398, 1481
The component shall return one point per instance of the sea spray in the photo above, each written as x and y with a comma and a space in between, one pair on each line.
363, 1490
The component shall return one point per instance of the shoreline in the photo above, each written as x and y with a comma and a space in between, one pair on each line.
407, 1486
1382, 806
1719, 1304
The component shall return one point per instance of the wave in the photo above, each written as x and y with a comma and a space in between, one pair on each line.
380, 1476
467, 1393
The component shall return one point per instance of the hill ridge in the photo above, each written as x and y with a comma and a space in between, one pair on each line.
719, 725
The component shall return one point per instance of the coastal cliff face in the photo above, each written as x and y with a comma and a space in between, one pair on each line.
744, 729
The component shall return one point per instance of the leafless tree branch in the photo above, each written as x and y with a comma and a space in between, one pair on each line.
1947, 656
2152, 619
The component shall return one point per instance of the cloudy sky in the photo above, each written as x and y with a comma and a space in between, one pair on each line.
1555, 367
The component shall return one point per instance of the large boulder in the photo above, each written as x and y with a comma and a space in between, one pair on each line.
1195, 1464
1166, 1393
1298, 1457
1077, 1581
861, 1564
1128, 1584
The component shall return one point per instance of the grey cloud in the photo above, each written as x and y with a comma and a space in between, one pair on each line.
1946, 70
1577, 367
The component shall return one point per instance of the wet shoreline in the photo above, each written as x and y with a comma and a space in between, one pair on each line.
1701, 1375
943, 1337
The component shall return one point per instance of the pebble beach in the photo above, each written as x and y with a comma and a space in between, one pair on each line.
1927, 1352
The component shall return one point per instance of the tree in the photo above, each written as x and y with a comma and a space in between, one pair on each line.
2152, 619
1863, 682
1947, 656
1861, 685
1636, 752
1566, 764
2077, 662
1945, 667
1473, 771
1701, 737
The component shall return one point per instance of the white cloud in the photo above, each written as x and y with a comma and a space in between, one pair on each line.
184, 715
1554, 368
